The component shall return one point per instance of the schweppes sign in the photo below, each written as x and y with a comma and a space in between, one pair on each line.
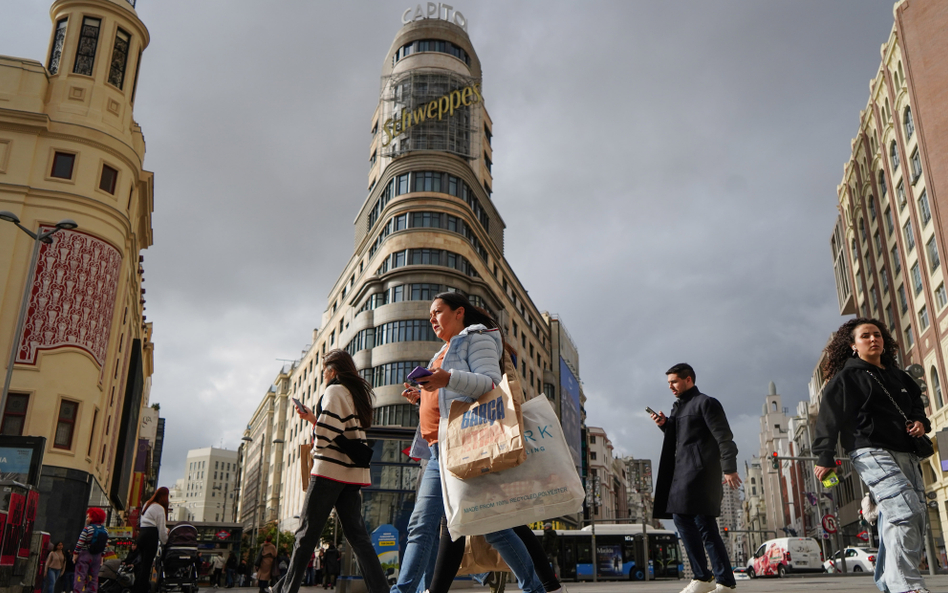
436, 109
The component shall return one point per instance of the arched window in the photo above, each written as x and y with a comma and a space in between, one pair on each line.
894, 155
936, 389
909, 124
774, 405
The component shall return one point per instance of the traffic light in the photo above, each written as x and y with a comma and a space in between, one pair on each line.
726, 529
839, 463
775, 461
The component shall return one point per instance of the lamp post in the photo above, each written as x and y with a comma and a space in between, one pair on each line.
38, 237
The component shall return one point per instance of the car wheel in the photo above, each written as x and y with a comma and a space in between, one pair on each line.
857, 569
781, 571
751, 573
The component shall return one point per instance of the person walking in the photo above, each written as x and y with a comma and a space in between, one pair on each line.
231, 568
152, 530
65, 581
266, 564
331, 567
876, 412
88, 553
217, 565
55, 562
698, 447
551, 546
466, 367
340, 469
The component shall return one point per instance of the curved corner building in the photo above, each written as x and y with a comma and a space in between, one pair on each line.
428, 225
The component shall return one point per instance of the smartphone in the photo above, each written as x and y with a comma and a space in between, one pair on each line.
830, 480
299, 405
418, 373
651, 411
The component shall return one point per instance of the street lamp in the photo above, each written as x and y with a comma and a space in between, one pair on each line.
38, 237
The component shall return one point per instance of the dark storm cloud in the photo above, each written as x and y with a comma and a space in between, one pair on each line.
667, 173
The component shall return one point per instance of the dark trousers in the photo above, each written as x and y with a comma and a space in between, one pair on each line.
321, 497
699, 534
147, 548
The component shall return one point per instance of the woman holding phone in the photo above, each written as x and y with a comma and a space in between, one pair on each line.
466, 367
342, 414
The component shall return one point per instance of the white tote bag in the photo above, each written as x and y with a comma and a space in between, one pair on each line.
544, 486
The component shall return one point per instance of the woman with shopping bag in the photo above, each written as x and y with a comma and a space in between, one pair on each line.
466, 367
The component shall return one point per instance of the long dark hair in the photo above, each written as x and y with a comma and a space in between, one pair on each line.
160, 497
840, 347
359, 388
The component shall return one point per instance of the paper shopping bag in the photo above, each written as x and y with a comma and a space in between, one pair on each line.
544, 486
480, 557
487, 435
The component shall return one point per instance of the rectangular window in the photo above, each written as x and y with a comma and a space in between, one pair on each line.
916, 278
916, 166
889, 224
56, 53
941, 296
909, 236
95, 418
923, 321
896, 260
108, 179
889, 317
66, 424
924, 211
909, 337
14, 416
903, 301
119, 59
877, 239
88, 41
932, 248
138, 65
63, 163
885, 279
900, 189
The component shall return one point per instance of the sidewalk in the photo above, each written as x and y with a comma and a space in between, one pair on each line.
820, 583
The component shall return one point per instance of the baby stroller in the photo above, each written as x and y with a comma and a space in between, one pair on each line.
115, 577
177, 561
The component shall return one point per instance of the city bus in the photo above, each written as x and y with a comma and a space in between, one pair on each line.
619, 553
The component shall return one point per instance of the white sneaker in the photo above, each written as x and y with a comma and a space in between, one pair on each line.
722, 589
699, 587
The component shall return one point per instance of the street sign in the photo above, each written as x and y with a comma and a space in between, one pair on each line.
829, 523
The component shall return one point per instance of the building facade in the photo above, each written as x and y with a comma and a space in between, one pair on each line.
208, 490
428, 224
890, 234
70, 148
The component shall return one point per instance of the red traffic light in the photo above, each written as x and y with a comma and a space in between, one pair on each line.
839, 462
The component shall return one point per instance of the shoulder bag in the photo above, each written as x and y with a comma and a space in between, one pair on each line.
923, 445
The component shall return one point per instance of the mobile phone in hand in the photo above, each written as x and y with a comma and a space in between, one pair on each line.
299, 405
418, 373
651, 411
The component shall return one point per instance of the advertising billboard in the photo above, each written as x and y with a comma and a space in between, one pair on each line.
569, 412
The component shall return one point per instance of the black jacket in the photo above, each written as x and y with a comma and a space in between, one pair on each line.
857, 411
698, 450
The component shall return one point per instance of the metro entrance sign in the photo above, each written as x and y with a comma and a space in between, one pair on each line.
829, 523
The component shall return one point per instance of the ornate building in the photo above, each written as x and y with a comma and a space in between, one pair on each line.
70, 148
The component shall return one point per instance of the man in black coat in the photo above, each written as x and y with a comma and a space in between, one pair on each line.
698, 448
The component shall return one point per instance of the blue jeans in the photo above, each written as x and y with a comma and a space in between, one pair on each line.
699, 533
895, 481
52, 575
424, 529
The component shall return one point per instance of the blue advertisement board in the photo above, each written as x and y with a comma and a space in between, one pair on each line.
385, 541
15, 463
569, 412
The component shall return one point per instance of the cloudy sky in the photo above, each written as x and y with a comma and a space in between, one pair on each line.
667, 172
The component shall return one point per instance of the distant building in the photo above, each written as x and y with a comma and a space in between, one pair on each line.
640, 500
207, 493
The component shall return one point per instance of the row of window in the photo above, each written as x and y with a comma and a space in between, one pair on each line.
436, 220
427, 257
416, 292
429, 181
86, 50
392, 373
406, 330
438, 45
14, 419
64, 165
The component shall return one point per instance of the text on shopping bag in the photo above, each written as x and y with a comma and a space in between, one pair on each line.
486, 413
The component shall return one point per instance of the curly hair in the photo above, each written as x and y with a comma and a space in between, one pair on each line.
96, 515
840, 347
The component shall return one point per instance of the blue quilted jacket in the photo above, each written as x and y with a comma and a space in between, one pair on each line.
473, 359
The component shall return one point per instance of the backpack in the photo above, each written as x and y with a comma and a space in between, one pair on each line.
99, 539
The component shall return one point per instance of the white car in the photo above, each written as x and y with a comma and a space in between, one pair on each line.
857, 560
740, 573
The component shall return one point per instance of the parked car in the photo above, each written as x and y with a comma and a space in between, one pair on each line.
857, 560
740, 573
777, 557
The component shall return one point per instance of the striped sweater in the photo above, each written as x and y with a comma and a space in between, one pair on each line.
335, 415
